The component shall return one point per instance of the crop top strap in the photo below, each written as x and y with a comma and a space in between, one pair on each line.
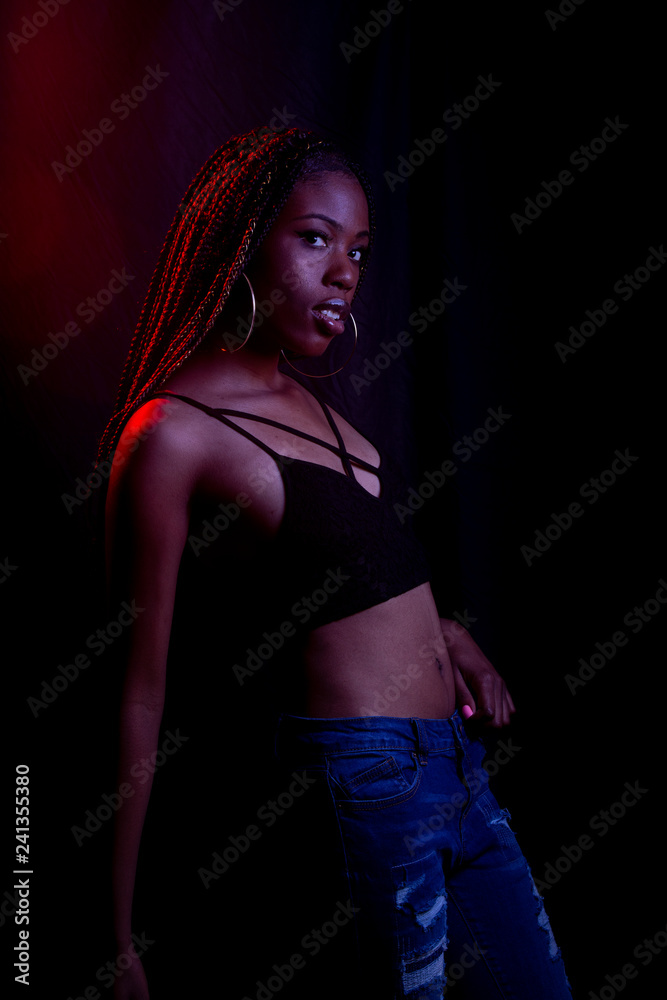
223, 413
345, 457
220, 415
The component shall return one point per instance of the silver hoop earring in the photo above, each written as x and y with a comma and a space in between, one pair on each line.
232, 336
328, 374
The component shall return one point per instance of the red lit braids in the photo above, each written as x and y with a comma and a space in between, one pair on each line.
225, 214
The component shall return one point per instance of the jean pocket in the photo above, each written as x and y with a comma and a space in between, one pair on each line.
374, 778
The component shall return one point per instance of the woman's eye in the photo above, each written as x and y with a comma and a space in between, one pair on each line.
311, 238
318, 240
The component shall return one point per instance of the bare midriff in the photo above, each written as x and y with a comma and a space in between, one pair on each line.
390, 660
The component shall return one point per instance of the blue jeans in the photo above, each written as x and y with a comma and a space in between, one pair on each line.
442, 898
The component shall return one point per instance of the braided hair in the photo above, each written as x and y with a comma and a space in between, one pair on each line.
225, 214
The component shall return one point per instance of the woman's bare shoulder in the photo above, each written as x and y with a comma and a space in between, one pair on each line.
174, 447
161, 444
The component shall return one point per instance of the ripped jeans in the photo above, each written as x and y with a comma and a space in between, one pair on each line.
442, 897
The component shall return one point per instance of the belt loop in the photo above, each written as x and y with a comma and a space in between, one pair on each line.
463, 733
458, 731
422, 741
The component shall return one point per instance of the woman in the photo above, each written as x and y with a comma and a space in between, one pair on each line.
285, 220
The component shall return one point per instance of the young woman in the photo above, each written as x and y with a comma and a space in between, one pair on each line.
210, 431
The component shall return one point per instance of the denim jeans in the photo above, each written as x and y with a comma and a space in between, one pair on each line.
442, 897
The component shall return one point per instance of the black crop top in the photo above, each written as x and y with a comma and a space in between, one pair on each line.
339, 549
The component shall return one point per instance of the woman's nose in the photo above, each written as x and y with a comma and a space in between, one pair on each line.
340, 271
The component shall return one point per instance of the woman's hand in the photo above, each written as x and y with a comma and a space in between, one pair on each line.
481, 694
132, 985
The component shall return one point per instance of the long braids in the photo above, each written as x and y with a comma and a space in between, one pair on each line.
225, 214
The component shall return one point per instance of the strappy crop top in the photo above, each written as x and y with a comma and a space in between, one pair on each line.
339, 549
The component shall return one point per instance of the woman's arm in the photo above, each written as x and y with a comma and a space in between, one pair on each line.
481, 693
147, 520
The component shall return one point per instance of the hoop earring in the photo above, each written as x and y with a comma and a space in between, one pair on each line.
328, 374
227, 350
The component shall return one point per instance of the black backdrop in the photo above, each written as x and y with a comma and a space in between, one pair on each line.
109, 109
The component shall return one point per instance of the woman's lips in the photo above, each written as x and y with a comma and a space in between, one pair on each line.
331, 316
328, 321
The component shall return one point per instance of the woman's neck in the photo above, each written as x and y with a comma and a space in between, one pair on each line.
222, 372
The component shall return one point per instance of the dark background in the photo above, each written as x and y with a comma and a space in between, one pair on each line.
229, 69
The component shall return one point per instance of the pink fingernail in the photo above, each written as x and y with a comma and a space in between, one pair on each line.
466, 711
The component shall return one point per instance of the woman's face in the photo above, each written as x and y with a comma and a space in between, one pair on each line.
306, 271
